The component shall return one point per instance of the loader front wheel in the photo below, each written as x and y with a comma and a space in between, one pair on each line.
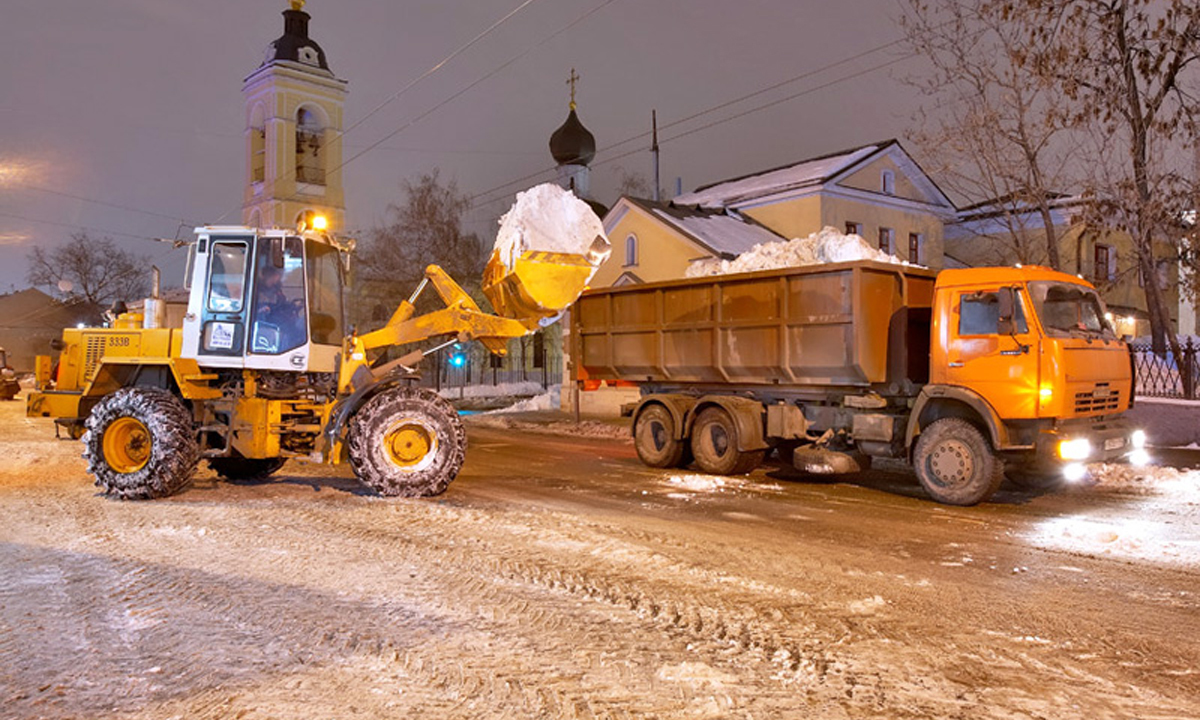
140, 444
407, 442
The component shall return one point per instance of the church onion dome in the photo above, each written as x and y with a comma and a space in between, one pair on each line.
572, 144
295, 44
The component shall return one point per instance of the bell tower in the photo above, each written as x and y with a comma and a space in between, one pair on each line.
293, 106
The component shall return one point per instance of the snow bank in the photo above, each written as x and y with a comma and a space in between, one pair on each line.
549, 400
550, 219
826, 246
520, 389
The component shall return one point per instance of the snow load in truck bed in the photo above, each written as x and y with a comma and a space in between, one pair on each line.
826, 246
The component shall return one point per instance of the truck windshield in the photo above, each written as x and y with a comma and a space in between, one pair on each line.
1066, 309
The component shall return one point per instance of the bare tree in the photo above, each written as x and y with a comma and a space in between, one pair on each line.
425, 229
95, 272
1123, 69
995, 133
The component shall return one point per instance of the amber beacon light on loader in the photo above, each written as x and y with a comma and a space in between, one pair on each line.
262, 368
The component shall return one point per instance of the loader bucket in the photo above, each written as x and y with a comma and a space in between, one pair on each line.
549, 246
541, 284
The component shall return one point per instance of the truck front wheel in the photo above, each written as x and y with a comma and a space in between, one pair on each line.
715, 441
140, 444
654, 438
955, 463
407, 442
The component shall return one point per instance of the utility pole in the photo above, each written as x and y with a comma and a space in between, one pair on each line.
654, 150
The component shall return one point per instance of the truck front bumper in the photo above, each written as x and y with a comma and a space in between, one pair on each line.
1076, 443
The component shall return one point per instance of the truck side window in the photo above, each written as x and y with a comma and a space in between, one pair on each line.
979, 314
227, 277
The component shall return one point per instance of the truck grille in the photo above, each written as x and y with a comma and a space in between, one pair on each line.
1101, 398
93, 352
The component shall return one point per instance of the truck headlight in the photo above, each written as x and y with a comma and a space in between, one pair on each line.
1138, 439
1077, 449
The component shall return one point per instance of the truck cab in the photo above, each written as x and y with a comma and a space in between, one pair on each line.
1037, 350
264, 300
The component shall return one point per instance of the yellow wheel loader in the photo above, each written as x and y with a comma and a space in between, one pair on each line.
262, 368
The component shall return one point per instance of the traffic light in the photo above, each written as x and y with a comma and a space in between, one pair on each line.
458, 355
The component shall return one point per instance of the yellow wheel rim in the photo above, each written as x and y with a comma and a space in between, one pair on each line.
127, 445
409, 444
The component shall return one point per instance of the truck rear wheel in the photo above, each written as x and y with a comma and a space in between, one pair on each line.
140, 444
715, 441
407, 442
654, 438
955, 463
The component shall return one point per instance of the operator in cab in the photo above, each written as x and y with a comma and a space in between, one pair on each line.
279, 305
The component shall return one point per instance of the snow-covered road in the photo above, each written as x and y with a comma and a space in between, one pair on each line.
558, 577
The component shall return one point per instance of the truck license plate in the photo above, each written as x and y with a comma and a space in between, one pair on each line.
1114, 443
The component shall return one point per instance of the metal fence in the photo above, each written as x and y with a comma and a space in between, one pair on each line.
472, 366
1167, 376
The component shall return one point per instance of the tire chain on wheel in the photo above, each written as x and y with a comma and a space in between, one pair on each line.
367, 453
174, 451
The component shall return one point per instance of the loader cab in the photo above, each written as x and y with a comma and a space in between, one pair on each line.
264, 299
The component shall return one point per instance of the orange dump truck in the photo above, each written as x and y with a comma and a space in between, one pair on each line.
965, 373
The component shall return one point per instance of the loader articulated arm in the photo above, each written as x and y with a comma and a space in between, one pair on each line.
461, 317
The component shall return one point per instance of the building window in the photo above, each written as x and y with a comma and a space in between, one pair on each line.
886, 237
631, 251
854, 228
887, 182
308, 148
1104, 268
914, 248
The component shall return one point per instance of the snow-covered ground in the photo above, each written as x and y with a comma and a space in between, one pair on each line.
825, 246
1162, 532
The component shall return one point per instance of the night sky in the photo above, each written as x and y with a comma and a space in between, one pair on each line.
125, 117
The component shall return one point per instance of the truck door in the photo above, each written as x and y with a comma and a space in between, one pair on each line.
223, 316
995, 358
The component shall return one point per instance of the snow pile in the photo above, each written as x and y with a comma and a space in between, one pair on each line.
520, 389
1149, 480
550, 219
549, 400
826, 246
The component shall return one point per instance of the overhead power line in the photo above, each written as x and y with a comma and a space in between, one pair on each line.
476, 199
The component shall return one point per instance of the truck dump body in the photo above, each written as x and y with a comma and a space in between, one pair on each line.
852, 324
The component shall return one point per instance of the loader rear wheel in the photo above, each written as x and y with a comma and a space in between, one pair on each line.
655, 440
715, 441
407, 442
956, 464
140, 444
240, 468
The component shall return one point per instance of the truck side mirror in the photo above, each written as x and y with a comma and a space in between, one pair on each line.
1007, 308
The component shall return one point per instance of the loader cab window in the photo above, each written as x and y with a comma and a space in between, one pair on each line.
325, 294
979, 314
227, 277
279, 308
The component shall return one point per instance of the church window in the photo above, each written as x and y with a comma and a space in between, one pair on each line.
631, 250
309, 167
888, 182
